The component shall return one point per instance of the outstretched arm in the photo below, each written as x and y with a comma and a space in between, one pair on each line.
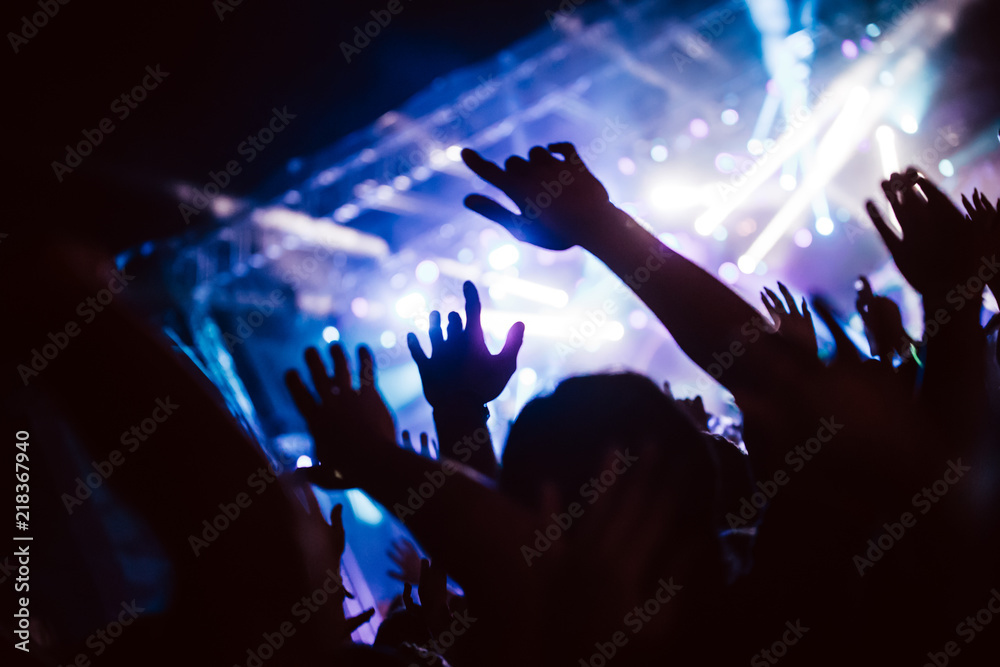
564, 205
473, 529
460, 378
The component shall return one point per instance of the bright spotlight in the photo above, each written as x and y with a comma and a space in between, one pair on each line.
886, 139
670, 197
411, 305
504, 256
427, 271
824, 226
908, 123
527, 377
331, 334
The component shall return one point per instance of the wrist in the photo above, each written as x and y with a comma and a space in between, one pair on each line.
608, 220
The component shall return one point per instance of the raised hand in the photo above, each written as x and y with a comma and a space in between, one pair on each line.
350, 427
406, 558
561, 203
461, 372
883, 324
424, 448
793, 324
940, 247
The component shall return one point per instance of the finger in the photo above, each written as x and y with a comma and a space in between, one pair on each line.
517, 166
437, 336
893, 191
541, 156
398, 576
359, 620
473, 312
408, 597
771, 310
889, 237
317, 372
304, 401
367, 363
416, 351
454, 326
778, 304
934, 195
512, 345
337, 528
489, 209
425, 447
484, 169
972, 210
407, 442
341, 369
567, 150
789, 299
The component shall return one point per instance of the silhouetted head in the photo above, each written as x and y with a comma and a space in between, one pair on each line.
569, 437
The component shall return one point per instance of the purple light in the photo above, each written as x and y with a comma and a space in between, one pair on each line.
849, 49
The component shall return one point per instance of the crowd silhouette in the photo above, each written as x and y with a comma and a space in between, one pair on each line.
851, 518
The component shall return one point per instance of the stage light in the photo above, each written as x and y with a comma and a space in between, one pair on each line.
384, 192
527, 376
720, 233
873, 30
638, 319
755, 147
292, 198
411, 305
438, 158
502, 286
401, 182
427, 271
803, 238
730, 116
465, 255
346, 213
626, 166
360, 307
454, 153
671, 197
887, 79
388, 339
729, 272
659, 153
421, 173
849, 49
613, 330
363, 508
746, 264
223, 206
303, 462
331, 334
908, 123
504, 256
725, 163
367, 155
698, 128
824, 226
946, 168
788, 182
886, 139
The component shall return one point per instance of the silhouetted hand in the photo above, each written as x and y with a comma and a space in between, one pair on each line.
461, 372
424, 448
883, 324
940, 247
794, 325
561, 202
433, 591
349, 426
345, 625
406, 559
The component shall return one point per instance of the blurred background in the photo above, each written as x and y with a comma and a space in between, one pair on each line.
291, 176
